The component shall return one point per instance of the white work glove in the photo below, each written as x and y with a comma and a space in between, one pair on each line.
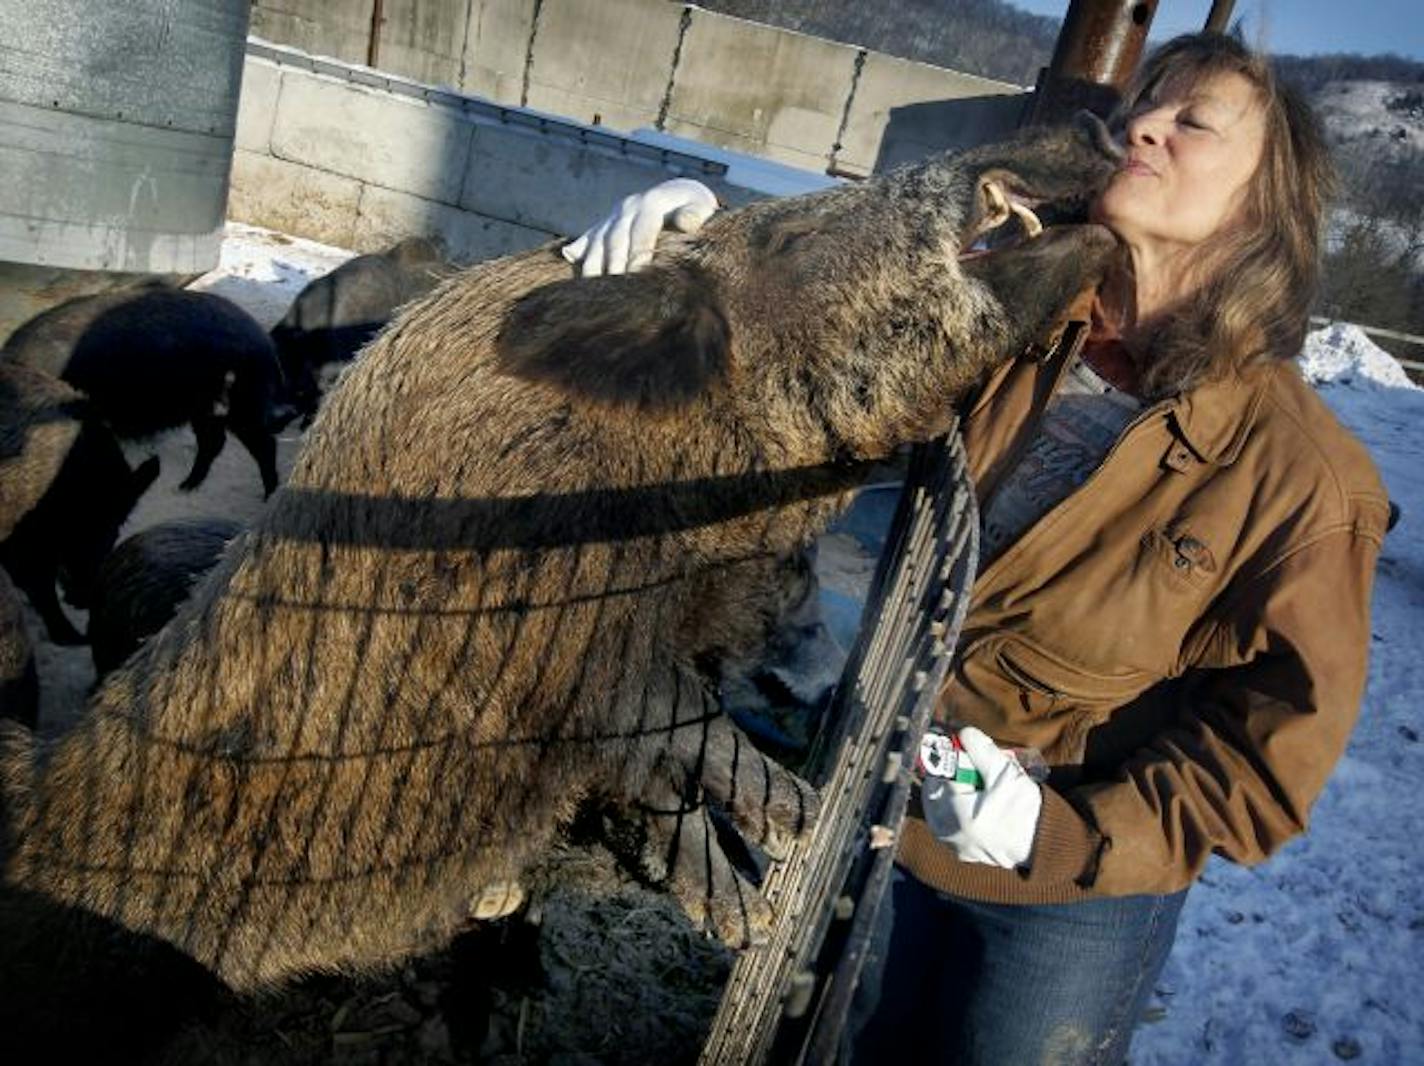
995, 824
623, 242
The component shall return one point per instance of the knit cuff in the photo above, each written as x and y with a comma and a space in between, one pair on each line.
1065, 846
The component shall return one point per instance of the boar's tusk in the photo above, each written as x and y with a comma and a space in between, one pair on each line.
999, 206
1032, 226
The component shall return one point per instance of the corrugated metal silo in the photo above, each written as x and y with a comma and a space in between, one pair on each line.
116, 129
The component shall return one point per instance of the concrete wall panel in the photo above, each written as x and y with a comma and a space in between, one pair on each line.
337, 28
257, 107
387, 216
904, 110
547, 183
382, 139
423, 39
608, 62
624, 63
775, 94
293, 198
116, 131
496, 47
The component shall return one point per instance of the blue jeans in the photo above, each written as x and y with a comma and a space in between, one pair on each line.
948, 980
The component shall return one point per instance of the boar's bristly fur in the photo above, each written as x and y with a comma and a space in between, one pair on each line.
529, 512
338, 313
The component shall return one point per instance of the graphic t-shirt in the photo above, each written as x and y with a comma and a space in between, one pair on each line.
1081, 423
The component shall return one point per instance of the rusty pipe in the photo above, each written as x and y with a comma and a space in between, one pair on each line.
1102, 40
1098, 49
1220, 16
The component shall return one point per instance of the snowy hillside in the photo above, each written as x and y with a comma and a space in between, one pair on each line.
1376, 132
1376, 116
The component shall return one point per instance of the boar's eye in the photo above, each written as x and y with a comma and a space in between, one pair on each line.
783, 235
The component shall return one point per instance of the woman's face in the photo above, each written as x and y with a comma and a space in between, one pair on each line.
1190, 156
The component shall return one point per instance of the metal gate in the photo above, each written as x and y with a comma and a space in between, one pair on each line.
787, 1001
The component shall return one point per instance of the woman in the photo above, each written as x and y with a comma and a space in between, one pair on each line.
1173, 599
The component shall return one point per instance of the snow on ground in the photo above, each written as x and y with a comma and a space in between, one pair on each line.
1310, 958
262, 271
1313, 956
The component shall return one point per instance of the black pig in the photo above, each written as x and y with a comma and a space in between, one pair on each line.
146, 578
74, 526
153, 358
65, 489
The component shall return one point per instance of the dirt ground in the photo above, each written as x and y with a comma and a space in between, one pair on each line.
599, 971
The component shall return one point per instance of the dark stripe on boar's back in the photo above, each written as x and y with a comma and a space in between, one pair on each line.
654, 340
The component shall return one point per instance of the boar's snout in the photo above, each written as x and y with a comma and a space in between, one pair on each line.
1029, 241
1043, 176
1099, 137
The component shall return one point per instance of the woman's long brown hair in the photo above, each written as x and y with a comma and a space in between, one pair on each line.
1256, 279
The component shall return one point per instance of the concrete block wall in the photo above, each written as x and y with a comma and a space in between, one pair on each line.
674, 67
613, 69
781, 95
340, 29
340, 154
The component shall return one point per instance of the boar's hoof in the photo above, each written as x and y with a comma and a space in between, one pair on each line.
769, 805
681, 853
498, 900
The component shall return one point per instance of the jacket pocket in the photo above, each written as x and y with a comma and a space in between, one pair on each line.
1022, 692
1050, 675
1027, 680
1181, 558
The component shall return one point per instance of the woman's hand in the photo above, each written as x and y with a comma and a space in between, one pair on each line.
623, 242
995, 824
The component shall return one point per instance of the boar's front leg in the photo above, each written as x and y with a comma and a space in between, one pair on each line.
769, 805
677, 848
706, 758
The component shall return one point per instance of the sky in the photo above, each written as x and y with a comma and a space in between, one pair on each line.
1299, 27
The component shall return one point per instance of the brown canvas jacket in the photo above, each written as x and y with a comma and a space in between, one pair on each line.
1184, 637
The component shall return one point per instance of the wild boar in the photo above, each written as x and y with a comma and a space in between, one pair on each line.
143, 581
65, 489
19, 683
531, 514
335, 315
151, 358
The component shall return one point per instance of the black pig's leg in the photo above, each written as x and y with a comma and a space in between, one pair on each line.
212, 435
263, 447
38, 585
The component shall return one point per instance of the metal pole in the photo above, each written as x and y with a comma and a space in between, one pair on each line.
1098, 49
1220, 16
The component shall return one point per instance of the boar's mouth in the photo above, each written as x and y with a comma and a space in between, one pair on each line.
1006, 215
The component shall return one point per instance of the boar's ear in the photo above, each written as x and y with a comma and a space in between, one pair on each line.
654, 340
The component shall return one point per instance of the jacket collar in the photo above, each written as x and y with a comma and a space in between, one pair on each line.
1213, 419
